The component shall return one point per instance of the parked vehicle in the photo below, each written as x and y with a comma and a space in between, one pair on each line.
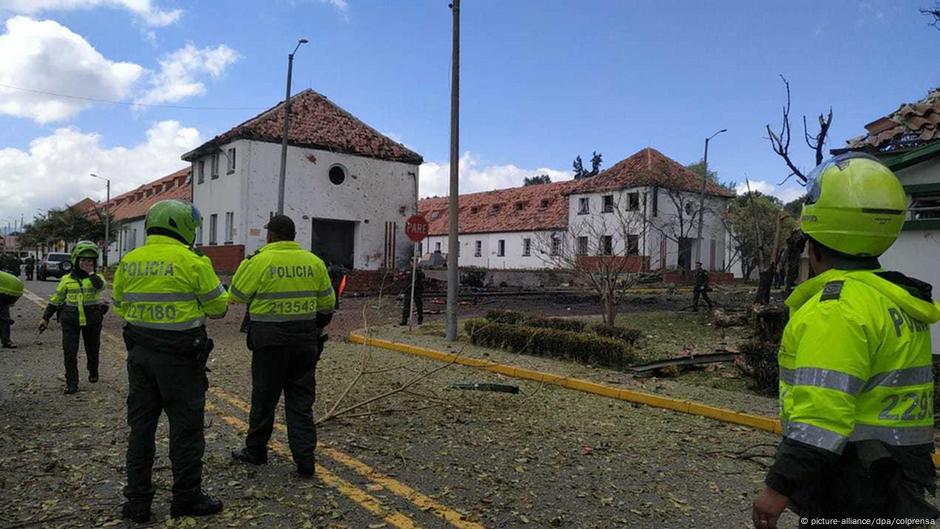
55, 264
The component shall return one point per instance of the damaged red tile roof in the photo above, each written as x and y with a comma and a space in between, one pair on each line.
134, 204
908, 127
649, 167
318, 123
528, 208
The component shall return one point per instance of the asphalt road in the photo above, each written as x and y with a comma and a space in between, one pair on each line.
425, 457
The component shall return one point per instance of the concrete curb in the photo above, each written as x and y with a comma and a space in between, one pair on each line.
758, 422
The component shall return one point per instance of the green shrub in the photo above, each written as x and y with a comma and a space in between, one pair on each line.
624, 334
560, 324
504, 316
582, 347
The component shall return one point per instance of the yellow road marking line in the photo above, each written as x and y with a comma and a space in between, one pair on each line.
423, 501
368, 502
758, 422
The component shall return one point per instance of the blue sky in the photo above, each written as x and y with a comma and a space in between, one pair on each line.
541, 81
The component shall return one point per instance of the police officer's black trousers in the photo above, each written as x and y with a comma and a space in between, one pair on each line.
5, 322
290, 369
704, 294
175, 384
91, 335
419, 308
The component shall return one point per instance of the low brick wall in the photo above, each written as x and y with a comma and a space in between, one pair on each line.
225, 258
684, 277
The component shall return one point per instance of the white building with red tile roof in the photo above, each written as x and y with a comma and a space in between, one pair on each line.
644, 207
349, 189
128, 210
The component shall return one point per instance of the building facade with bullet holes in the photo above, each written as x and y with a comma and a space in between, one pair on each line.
348, 188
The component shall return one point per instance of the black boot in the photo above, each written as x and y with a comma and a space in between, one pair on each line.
136, 511
251, 457
93, 377
306, 469
201, 504
70, 390
9, 345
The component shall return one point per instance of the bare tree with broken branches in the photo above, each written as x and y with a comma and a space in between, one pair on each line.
780, 141
602, 249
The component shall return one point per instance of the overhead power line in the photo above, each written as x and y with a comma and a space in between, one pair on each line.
124, 103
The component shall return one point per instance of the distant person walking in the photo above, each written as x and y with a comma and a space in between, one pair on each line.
701, 288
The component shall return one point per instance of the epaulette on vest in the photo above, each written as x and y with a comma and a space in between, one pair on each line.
832, 290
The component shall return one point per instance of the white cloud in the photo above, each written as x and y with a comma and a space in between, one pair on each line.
341, 5
180, 71
48, 57
53, 172
787, 193
143, 9
475, 176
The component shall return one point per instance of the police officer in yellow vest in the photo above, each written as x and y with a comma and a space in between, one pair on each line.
290, 300
11, 289
164, 291
77, 300
856, 382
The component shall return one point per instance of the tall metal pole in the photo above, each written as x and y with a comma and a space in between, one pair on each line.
701, 197
107, 223
281, 177
453, 231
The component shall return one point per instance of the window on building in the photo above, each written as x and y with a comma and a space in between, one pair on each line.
608, 204
689, 208
501, 248
526, 247
474, 210
435, 214
231, 161
607, 245
229, 227
215, 167
420, 248
544, 203
478, 249
633, 201
584, 205
201, 172
213, 228
337, 174
198, 235
437, 247
655, 201
494, 209
633, 245
582, 245
520, 206
556, 245
133, 238
925, 206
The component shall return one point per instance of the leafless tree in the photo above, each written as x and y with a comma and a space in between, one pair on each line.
780, 141
601, 249
934, 14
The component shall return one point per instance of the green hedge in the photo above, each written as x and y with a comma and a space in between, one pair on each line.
559, 324
624, 334
512, 317
504, 316
582, 347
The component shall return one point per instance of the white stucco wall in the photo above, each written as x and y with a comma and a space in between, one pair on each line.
489, 246
655, 236
374, 192
917, 252
128, 234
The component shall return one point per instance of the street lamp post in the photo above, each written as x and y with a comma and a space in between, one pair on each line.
107, 218
280, 181
701, 197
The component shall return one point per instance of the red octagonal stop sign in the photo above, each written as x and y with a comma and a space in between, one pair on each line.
416, 228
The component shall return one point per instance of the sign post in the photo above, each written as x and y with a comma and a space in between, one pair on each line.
416, 228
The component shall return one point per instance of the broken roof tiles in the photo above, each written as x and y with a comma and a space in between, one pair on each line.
317, 123
911, 125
